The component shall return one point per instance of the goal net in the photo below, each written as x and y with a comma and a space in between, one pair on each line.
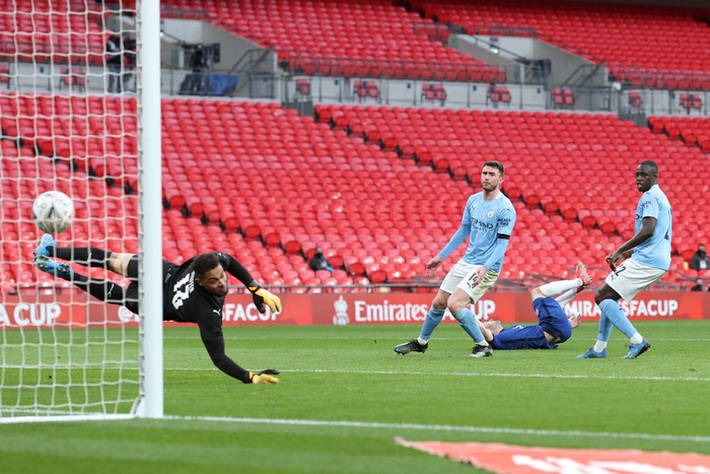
70, 102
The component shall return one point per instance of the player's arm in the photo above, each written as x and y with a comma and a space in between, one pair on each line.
501, 247
457, 239
234, 268
487, 334
648, 227
260, 295
213, 339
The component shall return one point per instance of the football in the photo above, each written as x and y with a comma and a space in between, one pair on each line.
53, 212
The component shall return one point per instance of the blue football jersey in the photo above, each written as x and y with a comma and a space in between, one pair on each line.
522, 337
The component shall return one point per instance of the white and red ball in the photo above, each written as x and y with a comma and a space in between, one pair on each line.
53, 212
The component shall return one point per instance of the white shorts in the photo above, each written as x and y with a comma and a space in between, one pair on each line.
630, 278
459, 277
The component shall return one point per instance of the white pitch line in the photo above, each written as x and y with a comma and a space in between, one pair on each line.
449, 428
477, 374
391, 372
485, 374
389, 338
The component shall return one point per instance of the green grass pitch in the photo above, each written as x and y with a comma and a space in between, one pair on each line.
345, 395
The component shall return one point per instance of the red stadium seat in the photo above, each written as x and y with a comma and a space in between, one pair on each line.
251, 232
5, 74
292, 247
377, 277
303, 87
635, 100
356, 269
272, 239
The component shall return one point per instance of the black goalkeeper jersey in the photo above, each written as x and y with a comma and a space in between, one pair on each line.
186, 302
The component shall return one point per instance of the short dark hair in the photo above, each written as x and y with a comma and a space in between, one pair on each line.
205, 262
495, 164
650, 164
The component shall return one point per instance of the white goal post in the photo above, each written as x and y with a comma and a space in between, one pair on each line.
150, 159
75, 122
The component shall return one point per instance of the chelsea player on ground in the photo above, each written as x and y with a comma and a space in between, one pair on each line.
488, 221
646, 258
554, 326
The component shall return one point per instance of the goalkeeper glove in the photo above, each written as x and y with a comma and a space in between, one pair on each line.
264, 377
262, 297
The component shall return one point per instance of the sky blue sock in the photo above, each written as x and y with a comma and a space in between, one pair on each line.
605, 327
469, 324
432, 320
612, 310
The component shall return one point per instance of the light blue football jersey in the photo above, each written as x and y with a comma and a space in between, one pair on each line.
487, 219
656, 251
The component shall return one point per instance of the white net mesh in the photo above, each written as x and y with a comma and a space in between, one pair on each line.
68, 118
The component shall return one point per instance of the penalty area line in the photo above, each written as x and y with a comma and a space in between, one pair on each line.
445, 428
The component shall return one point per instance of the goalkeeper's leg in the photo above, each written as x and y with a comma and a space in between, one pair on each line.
120, 263
103, 290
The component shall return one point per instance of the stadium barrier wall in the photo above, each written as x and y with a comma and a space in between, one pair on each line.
50, 311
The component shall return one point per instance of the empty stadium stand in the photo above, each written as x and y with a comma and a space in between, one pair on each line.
351, 39
43, 30
340, 191
655, 46
543, 152
692, 131
379, 188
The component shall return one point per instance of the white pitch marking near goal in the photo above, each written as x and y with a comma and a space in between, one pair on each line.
434, 374
66, 131
513, 375
403, 427
447, 428
476, 374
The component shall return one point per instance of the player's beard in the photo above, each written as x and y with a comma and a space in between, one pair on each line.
489, 187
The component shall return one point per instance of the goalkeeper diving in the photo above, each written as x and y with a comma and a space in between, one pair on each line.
193, 292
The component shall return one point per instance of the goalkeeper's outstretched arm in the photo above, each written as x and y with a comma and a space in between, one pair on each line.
214, 343
260, 295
